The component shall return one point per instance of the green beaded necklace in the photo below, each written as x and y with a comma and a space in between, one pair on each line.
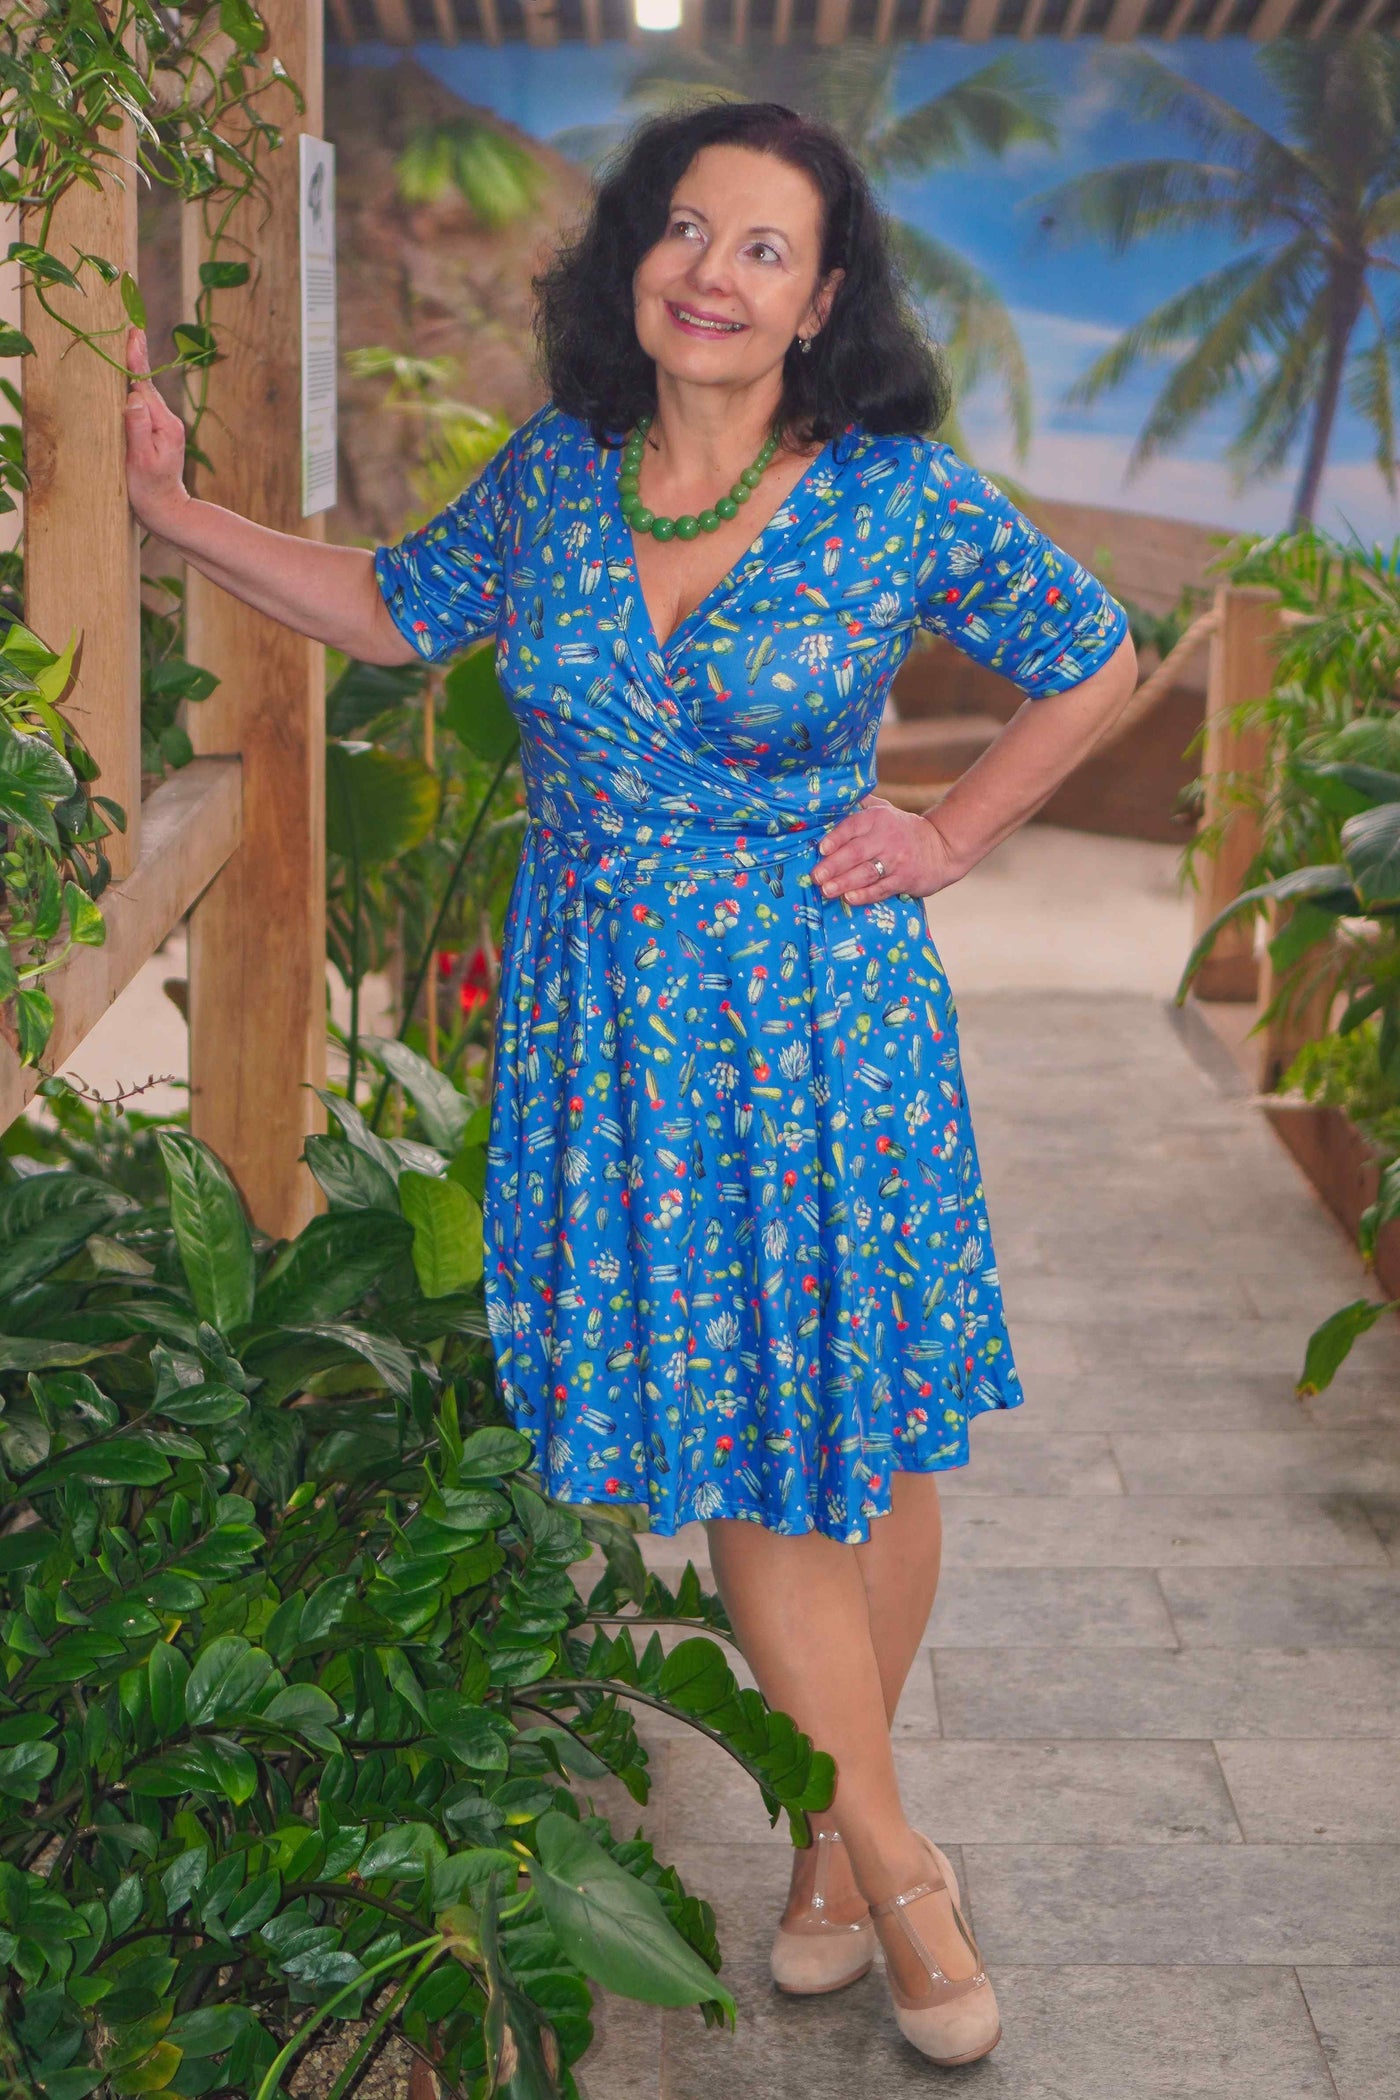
690, 524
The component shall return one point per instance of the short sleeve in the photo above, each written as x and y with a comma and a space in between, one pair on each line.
1001, 591
444, 585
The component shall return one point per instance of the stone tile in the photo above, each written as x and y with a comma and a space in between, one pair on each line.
1341, 1793
1282, 1607
1068, 2034
1000, 1792
1161, 1398
1384, 1513
609, 1797
1357, 2016
917, 1714
996, 1608
1285, 1462
1356, 1403
1029, 1465
1193, 1692
1159, 1531
1194, 1904
624, 2062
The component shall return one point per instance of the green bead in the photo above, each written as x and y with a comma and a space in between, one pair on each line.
663, 528
687, 526
751, 477
725, 508
641, 519
629, 483
740, 493
709, 521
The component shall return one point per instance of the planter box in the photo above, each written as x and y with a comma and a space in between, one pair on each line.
1343, 1167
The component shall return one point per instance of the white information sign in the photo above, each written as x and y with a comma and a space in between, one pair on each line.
318, 341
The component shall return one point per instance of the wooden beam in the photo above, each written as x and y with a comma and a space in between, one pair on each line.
1322, 20
692, 29
541, 23
445, 15
593, 21
490, 21
884, 20
1125, 21
393, 21
1177, 20
343, 17
257, 938
739, 24
979, 20
1030, 20
1074, 17
1369, 13
1242, 662
192, 825
832, 21
81, 563
1272, 19
1219, 19
928, 19
782, 21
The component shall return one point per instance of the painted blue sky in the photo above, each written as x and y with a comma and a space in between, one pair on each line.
1069, 303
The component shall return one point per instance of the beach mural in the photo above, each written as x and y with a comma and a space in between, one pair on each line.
1010, 167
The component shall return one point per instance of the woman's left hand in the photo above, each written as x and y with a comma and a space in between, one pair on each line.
913, 857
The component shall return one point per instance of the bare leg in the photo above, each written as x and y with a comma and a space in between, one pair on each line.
899, 1565
801, 1615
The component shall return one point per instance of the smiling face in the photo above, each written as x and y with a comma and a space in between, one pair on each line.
734, 277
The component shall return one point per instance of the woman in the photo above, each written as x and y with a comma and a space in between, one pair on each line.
738, 1263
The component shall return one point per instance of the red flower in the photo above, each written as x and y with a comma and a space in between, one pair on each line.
476, 983
612, 1487
724, 1443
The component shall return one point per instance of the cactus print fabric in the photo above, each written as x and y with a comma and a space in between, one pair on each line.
738, 1257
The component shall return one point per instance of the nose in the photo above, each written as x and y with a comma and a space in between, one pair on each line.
711, 272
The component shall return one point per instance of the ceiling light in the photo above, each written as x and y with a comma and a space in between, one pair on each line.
658, 14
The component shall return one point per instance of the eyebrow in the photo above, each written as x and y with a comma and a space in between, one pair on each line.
693, 211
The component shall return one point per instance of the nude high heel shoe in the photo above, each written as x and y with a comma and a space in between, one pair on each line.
812, 1953
958, 2021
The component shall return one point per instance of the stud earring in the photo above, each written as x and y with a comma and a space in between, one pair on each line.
804, 344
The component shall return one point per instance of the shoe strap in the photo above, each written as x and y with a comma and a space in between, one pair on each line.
897, 1907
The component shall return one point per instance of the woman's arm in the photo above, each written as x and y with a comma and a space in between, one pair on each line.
328, 593
1039, 747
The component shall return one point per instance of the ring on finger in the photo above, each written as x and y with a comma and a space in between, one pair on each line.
879, 867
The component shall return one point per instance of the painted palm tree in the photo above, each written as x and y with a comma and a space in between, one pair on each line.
1308, 312
851, 87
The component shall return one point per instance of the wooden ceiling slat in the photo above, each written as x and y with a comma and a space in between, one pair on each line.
445, 15
884, 20
1074, 19
344, 21
1369, 13
833, 21
692, 29
592, 21
1219, 19
979, 20
392, 20
1125, 20
782, 21
928, 19
739, 24
1322, 20
489, 16
1177, 20
1272, 19
1030, 20
541, 23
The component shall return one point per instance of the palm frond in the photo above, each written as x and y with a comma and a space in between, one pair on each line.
1371, 392
998, 106
1122, 204
1159, 92
1185, 315
972, 321
1342, 98
1277, 414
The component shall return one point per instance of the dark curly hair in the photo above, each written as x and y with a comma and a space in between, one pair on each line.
872, 364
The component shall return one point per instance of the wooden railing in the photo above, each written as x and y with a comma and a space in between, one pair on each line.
236, 839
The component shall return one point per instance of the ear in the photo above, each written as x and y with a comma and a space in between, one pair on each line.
826, 293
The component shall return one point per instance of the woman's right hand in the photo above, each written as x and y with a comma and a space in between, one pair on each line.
155, 445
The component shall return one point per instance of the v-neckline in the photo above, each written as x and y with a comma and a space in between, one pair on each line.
793, 506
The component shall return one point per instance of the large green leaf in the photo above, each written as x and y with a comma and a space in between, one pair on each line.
476, 710
1330, 883
1330, 1345
216, 1247
442, 1109
329, 1267
447, 1232
612, 1926
378, 805
1371, 844
350, 1178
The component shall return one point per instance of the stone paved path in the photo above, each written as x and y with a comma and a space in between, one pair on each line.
1155, 1721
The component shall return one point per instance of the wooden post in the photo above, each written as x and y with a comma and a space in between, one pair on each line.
81, 567
1241, 668
257, 936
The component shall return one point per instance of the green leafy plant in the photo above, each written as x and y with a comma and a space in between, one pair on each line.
458, 439
497, 176
52, 867
301, 1704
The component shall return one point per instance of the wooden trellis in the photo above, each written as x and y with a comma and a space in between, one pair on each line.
236, 838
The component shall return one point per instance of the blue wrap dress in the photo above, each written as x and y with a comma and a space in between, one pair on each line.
738, 1261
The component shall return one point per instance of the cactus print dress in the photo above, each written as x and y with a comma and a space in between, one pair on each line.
738, 1261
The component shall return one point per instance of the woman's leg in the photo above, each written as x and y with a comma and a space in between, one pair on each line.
801, 1614
899, 1566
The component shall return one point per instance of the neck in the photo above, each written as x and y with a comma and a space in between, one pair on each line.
710, 430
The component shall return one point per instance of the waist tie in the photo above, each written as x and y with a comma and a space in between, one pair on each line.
683, 850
